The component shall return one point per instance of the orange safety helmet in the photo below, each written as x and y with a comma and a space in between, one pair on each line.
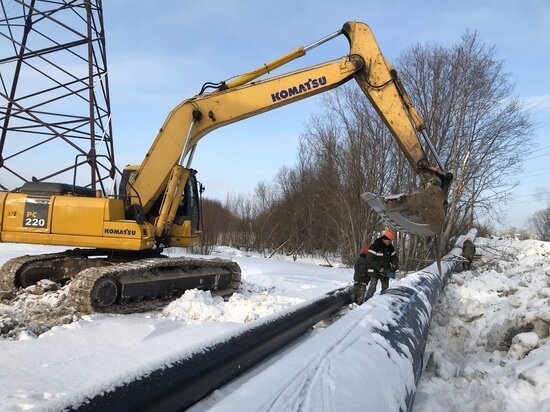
390, 234
364, 250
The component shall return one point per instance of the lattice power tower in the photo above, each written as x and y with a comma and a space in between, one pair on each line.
55, 114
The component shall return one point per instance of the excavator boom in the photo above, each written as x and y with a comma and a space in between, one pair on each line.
245, 96
158, 201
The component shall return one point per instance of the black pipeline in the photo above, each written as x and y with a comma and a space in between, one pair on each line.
181, 384
412, 308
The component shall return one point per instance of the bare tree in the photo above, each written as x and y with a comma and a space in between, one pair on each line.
216, 221
264, 224
480, 128
350, 151
240, 232
540, 222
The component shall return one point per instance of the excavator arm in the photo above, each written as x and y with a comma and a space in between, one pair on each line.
420, 213
165, 169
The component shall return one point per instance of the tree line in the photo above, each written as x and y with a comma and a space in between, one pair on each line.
480, 129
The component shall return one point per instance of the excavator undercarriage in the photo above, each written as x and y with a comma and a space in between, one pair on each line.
101, 281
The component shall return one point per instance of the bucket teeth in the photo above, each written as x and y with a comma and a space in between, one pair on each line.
395, 211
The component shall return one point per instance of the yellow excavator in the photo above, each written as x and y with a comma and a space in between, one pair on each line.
117, 263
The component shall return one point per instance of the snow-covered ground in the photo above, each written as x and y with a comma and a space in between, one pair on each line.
488, 349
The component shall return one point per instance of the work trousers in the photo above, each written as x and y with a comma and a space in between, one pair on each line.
359, 289
467, 264
385, 282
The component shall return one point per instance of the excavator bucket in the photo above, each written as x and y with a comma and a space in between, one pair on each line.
420, 213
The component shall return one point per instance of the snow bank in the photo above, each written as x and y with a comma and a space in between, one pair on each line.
489, 345
482, 353
246, 305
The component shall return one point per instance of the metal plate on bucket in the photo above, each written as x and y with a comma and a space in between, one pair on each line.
393, 210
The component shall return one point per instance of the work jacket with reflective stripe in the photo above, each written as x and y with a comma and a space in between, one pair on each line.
381, 256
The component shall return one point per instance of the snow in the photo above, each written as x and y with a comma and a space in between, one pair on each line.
488, 347
329, 371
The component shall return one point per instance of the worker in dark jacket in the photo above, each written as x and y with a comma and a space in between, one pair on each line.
360, 276
381, 262
468, 252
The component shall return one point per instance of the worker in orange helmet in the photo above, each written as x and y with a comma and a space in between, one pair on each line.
360, 276
382, 262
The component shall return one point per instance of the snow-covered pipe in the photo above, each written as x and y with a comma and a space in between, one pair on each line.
372, 358
188, 380
369, 360
413, 302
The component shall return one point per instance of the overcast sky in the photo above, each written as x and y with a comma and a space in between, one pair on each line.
160, 53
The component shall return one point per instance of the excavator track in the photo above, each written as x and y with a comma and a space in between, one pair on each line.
122, 283
144, 285
12, 271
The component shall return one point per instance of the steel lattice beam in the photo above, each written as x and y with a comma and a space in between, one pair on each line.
55, 114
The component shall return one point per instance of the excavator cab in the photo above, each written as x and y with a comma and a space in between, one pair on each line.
190, 204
